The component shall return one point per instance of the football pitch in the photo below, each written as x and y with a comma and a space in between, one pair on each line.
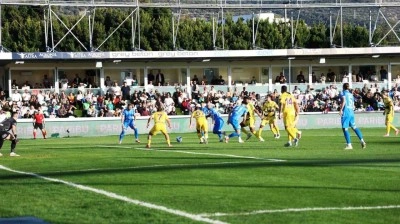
97, 180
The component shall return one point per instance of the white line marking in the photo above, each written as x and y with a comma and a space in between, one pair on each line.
287, 210
196, 153
153, 166
215, 154
120, 197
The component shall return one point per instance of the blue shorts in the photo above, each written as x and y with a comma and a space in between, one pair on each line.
348, 121
218, 125
129, 123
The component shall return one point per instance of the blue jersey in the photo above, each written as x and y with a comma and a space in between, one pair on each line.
348, 109
215, 115
129, 115
205, 111
238, 112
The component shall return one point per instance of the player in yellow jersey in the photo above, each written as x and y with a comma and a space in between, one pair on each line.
159, 117
289, 110
201, 124
269, 110
250, 119
389, 112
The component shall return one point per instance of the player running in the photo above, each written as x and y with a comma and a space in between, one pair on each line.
250, 120
235, 115
201, 124
39, 122
128, 119
217, 120
269, 117
159, 117
389, 112
289, 110
347, 117
8, 131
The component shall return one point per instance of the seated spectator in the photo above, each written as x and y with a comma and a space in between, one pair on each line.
91, 112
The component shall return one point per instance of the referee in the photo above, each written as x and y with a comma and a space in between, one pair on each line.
38, 122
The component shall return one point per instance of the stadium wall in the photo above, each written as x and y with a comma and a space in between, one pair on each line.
89, 127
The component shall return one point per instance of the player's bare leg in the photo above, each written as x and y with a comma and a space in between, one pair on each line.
166, 135
148, 141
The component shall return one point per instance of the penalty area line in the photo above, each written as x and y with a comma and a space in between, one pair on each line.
112, 195
288, 210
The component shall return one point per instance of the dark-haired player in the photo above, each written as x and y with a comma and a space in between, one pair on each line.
8, 131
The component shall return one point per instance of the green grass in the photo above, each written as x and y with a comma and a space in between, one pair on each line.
316, 174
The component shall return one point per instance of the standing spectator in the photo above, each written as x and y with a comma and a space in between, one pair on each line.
331, 76
300, 77
160, 79
108, 82
77, 80
46, 82
383, 73
195, 79
150, 77
195, 90
126, 91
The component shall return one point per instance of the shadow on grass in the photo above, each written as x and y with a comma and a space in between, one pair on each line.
235, 164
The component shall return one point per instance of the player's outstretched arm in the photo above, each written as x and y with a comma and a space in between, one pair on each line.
148, 121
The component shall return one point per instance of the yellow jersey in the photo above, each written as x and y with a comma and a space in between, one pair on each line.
269, 109
388, 105
199, 116
287, 102
250, 111
160, 117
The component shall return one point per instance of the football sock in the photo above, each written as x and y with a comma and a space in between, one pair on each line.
346, 135
259, 132
34, 134
13, 144
273, 130
121, 136
205, 135
234, 134
136, 133
199, 135
148, 141
244, 131
358, 133
276, 130
292, 133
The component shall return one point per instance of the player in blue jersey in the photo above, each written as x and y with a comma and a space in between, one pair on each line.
217, 120
128, 120
235, 118
347, 117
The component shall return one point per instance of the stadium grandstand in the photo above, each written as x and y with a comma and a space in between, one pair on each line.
74, 81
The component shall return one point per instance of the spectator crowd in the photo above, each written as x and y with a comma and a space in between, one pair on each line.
84, 103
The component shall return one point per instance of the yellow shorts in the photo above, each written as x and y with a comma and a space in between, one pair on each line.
202, 126
289, 120
389, 118
268, 120
250, 122
158, 128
